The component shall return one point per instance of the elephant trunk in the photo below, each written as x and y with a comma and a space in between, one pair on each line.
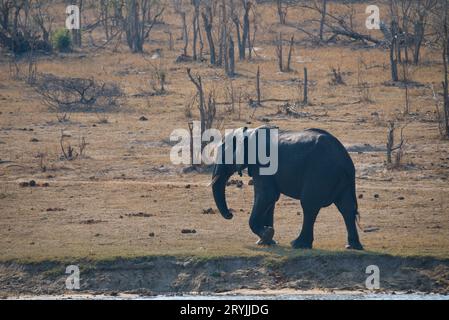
219, 189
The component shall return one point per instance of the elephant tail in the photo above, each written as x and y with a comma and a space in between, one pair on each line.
357, 213
349, 171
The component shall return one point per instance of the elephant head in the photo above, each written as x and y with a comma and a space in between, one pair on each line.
238, 151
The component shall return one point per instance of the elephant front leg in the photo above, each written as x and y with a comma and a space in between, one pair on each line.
261, 223
305, 238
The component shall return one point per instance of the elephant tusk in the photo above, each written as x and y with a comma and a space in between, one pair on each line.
214, 179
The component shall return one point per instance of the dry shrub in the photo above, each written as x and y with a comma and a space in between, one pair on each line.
67, 95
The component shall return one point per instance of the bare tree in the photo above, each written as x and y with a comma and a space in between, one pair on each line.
223, 44
43, 19
231, 58
104, 16
393, 52
206, 105
306, 88
171, 44
405, 80
158, 78
142, 15
236, 20
421, 11
408, 14
406, 9
362, 84
280, 53
76, 33
282, 11
6, 7
442, 28
439, 24
258, 93
179, 9
323, 17
338, 23
290, 52
392, 148
195, 27
208, 23
117, 8
25, 25
245, 41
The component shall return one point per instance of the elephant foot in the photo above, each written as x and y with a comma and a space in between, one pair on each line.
299, 244
354, 246
266, 243
266, 237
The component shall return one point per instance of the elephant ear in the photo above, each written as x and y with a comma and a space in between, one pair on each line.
241, 167
253, 134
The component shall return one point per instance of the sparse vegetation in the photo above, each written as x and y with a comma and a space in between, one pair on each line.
69, 153
395, 150
336, 77
62, 40
99, 173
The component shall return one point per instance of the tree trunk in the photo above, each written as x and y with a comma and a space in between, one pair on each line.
131, 24
104, 13
323, 18
290, 51
419, 36
185, 34
393, 44
279, 52
258, 87
76, 33
195, 35
250, 44
390, 141
195, 28
306, 88
245, 35
224, 38
231, 58
118, 12
445, 65
207, 19
240, 43
281, 13
5, 10
200, 37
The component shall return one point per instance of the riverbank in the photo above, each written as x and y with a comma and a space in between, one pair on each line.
169, 275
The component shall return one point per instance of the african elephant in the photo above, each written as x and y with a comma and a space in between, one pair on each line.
313, 167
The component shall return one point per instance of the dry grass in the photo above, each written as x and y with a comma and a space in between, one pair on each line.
119, 176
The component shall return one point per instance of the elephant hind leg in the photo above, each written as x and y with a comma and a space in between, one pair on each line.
348, 208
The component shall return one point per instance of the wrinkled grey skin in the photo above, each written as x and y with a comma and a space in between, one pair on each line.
315, 168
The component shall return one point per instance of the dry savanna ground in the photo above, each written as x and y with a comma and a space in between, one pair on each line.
125, 198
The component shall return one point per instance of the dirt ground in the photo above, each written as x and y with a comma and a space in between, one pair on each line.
125, 199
